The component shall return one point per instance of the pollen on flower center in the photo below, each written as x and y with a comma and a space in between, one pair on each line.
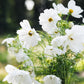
71, 38
56, 32
30, 33
50, 19
70, 11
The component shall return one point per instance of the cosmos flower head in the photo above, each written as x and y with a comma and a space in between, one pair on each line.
60, 9
74, 10
51, 52
75, 38
59, 41
16, 76
27, 36
51, 79
22, 57
48, 20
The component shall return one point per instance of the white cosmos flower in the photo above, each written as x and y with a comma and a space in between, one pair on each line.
55, 33
22, 57
29, 4
27, 36
8, 41
16, 76
60, 41
51, 79
75, 38
51, 51
48, 20
9, 68
74, 9
60, 9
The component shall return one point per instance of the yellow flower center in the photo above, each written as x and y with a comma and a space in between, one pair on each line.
70, 11
56, 32
50, 19
30, 33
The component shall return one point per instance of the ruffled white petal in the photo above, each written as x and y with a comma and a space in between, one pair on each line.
51, 79
25, 24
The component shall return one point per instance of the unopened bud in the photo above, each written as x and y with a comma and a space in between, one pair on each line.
71, 24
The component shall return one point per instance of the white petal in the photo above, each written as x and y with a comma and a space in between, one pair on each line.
25, 24
10, 68
71, 3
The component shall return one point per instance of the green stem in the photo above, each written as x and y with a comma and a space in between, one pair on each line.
67, 17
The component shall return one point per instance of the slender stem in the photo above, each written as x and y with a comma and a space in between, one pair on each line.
67, 17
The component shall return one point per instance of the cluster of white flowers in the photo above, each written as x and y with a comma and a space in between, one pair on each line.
74, 36
16, 76
72, 8
73, 39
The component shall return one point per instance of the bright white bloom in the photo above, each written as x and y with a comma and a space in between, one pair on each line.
74, 9
9, 68
60, 9
16, 76
29, 4
22, 57
27, 36
55, 33
51, 51
75, 38
48, 20
59, 41
52, 79
8, 41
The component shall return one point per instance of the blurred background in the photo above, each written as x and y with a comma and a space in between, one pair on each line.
14, 11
